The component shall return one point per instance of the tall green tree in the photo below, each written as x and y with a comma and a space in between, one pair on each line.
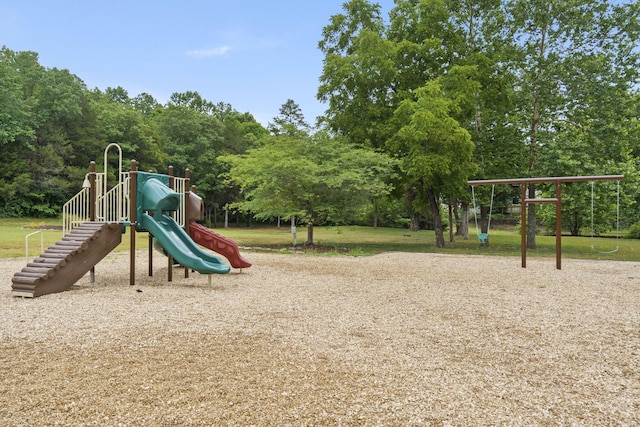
315, 178
570, 57
16, 122
358, 74
434, 150
371, 69
290, 121
40, 158
193, 132
537, 65
118, 121
17, 129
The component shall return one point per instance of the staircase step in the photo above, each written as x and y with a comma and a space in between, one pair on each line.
56, 255
28, 278
54, 265
64, 263
40, 271
72, 244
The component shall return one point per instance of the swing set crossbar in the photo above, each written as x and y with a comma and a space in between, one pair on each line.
541, 200
558, 180
547, 179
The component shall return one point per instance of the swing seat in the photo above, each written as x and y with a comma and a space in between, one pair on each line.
483, 237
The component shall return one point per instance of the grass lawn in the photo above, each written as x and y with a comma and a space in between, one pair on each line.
351, 240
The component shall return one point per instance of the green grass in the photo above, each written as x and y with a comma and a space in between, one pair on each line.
352, 240
13, 233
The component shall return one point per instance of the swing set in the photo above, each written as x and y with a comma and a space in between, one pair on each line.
523, 182
483, 238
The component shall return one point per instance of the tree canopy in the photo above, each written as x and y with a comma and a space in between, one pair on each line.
417, 102
316, 178
525, 78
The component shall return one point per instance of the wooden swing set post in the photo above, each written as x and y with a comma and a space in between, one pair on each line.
557, 200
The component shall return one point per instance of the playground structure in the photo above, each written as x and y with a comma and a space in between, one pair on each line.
96, 217
556, 200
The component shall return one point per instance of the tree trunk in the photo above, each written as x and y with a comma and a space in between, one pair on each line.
536, 117
463, 229
309, 234
293, 230
451, 223
437, 222
415, 222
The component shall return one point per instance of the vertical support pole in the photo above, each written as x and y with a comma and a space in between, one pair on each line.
133, 185
523, 224
293, 231
150, 250
92, 191
172, 185
558, 225
92, 208
150, 254
187, 191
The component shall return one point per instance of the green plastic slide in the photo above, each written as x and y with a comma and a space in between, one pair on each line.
180, 246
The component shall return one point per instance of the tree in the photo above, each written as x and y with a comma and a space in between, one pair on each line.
56, 100
358, 75
16, 125
569, 57
145, 103
315, 178
370, 70
535, 64
435, 152
191, 139
17, 129
290, 121
120, 122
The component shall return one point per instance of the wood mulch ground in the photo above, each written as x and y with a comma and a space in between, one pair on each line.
299, 340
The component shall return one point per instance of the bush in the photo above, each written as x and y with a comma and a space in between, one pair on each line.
634, 231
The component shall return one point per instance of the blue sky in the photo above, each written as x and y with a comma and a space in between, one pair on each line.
252, 54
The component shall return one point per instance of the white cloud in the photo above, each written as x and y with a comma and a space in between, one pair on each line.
204, 53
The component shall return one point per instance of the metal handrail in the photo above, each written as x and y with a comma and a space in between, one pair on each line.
26, 243
112, 205
76, 211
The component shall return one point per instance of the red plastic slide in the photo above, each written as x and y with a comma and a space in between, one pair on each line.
217, 243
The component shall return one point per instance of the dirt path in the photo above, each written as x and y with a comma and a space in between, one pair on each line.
394, 339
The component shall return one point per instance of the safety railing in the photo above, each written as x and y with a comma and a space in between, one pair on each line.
76, 211
112, 205
179, 186
26, 244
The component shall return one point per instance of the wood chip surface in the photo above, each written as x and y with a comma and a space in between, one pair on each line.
390, 340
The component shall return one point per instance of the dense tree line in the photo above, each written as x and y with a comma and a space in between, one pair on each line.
52, 126
539, 88
418, 102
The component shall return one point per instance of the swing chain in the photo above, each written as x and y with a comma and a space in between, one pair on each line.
482, 237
